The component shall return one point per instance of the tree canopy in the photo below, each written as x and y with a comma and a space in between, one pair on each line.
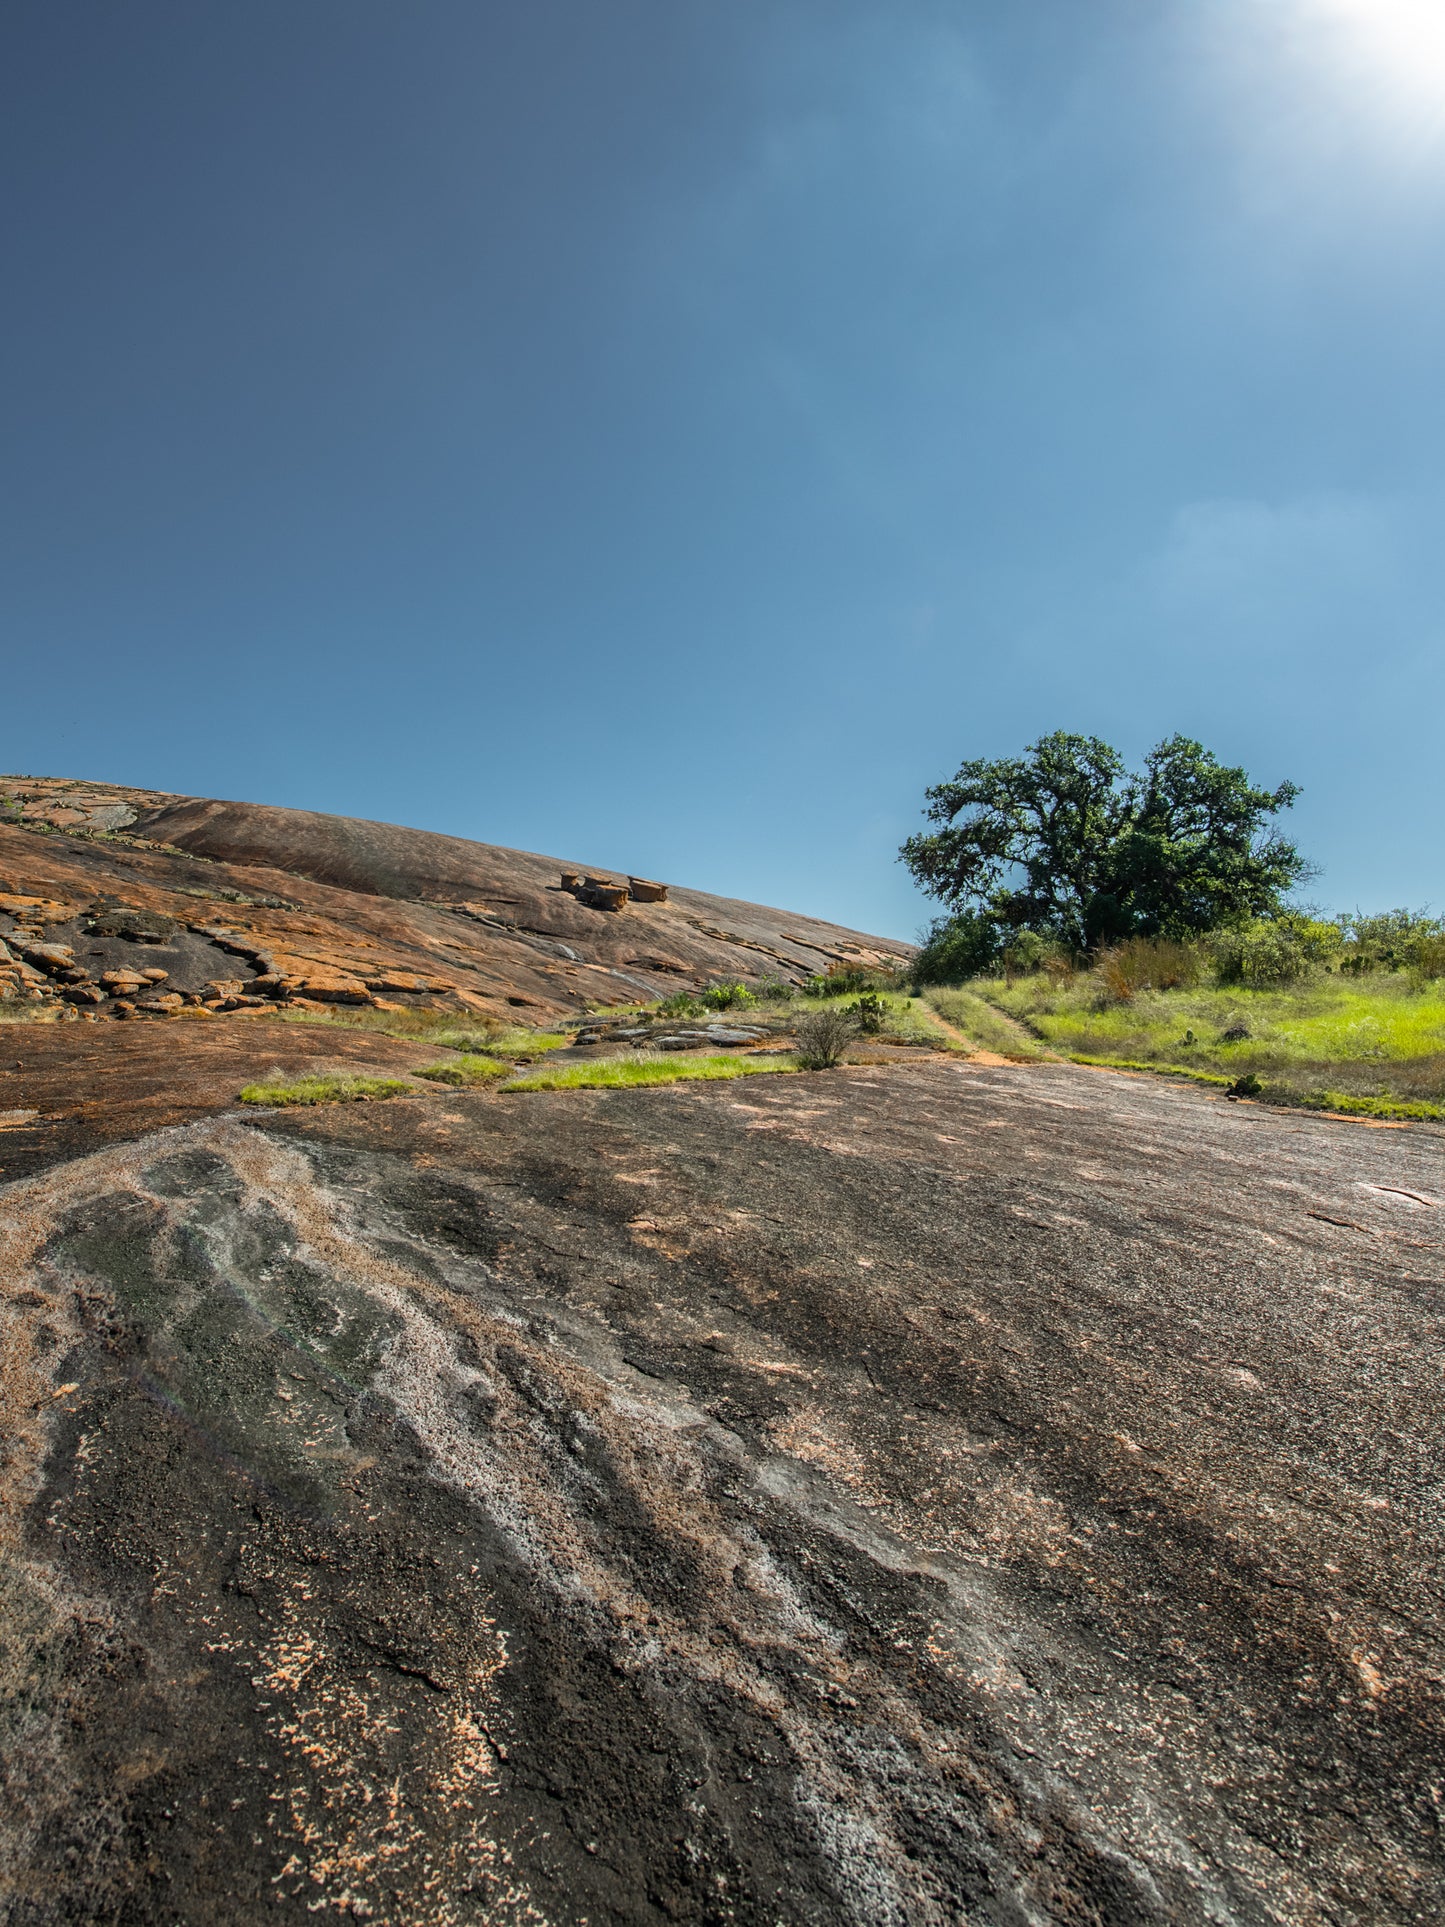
1066, 842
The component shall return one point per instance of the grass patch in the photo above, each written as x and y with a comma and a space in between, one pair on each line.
1330, 1041
612, 1073
1160, 1070
325, 1090
463, 1072
1372, 1106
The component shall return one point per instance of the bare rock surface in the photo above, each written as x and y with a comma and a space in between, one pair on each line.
909, 1494
331, 909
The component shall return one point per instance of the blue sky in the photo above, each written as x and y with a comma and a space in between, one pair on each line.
674, 434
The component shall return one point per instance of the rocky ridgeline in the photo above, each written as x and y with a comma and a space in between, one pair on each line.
293, 907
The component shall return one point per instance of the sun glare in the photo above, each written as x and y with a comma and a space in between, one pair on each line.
1399, 44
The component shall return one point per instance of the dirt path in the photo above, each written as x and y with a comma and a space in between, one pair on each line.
976, 1053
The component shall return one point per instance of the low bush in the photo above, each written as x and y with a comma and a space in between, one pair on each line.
845, 981
334, 1089
1393, 940
823, 1036
1272, 952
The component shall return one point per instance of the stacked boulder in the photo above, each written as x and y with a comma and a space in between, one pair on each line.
606, 893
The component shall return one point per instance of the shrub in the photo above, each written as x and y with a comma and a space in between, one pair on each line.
1146, 963
727, 996
1024, 953
823, 1036
1280, 950
1428, 963
1392, 940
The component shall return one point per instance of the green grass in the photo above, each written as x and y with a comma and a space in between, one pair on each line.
612, 1073
1375, 1045
325, 1090
1373, 1106
466, 1071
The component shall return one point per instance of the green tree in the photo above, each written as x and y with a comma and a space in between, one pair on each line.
1064, 841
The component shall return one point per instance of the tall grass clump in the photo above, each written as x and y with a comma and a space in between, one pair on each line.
1146, 963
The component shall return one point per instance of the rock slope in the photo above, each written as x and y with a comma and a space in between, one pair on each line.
924, 1492
906, 1495
238, 905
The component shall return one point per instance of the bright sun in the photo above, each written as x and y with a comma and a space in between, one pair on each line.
1399, 43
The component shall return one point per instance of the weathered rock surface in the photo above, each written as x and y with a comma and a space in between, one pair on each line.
902, 1495
328, 909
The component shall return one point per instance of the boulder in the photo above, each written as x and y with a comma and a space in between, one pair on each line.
155, 976
52, 958
602, 896
121, 983
82, 994
333, 988
642, 890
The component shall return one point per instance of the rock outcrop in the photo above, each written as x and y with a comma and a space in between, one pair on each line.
301, 908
